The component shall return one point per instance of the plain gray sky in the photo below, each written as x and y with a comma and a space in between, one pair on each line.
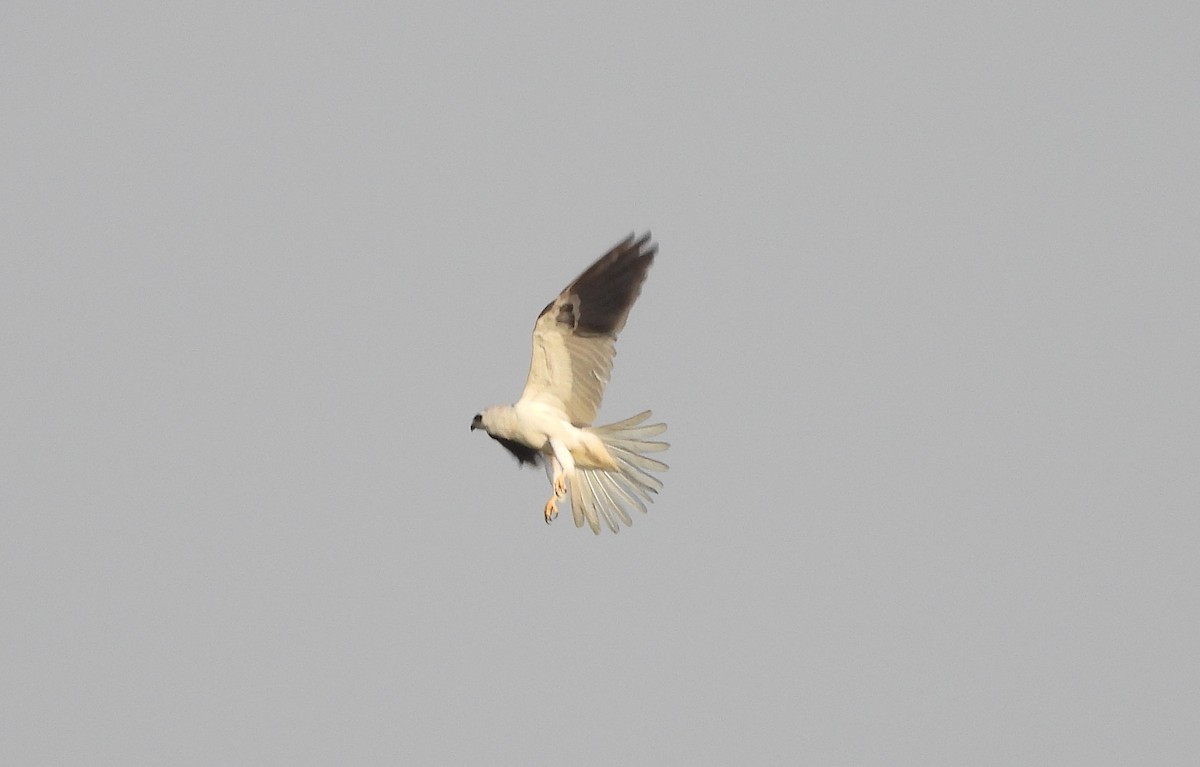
924, 325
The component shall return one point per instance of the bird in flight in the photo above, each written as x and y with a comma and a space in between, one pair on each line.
605, 469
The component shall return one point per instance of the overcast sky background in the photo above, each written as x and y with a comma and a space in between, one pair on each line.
924, 324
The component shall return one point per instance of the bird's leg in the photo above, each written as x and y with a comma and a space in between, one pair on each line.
564, 464
560, 463
560, 492
553, 472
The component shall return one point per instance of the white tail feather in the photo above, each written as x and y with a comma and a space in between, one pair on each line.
600, 495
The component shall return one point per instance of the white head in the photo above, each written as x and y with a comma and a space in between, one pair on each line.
490, 418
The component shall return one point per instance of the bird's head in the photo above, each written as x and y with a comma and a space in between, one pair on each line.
497, 421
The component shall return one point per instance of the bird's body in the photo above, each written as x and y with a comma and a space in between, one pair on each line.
540, 426
604, 468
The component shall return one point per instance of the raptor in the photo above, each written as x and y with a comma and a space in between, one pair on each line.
605, 470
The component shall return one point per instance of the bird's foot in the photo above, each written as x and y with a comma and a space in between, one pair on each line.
560, 486
551, 510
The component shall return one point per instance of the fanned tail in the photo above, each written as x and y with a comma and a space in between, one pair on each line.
599, 494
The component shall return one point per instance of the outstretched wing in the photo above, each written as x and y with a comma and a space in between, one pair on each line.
575, 336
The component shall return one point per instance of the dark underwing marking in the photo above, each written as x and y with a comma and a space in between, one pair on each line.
567, 315
598, 301
522, 452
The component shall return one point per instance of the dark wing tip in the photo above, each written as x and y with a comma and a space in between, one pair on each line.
608, 288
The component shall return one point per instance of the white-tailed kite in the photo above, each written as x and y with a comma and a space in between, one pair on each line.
604, 468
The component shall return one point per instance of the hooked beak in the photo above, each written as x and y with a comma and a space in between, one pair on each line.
477, 423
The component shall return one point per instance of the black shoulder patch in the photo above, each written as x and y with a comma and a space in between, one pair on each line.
523, 453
